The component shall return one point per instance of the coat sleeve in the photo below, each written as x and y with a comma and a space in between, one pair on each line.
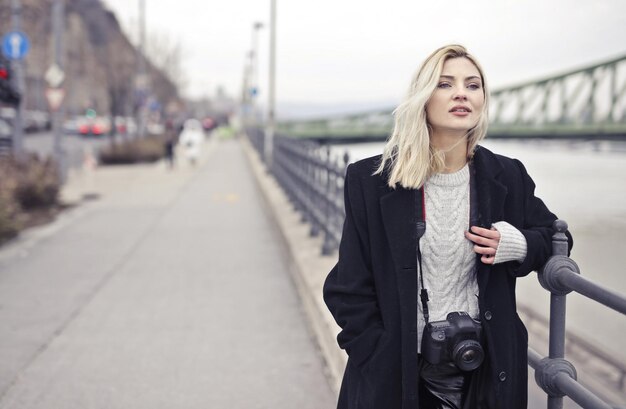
537, 227
349, 290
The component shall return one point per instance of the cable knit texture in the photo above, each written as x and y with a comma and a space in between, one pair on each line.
512, 246
448, 260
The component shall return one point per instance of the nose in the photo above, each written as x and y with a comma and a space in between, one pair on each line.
460, 96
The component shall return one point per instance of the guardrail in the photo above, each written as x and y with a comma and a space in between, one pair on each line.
313, 180
603, 370
554, 374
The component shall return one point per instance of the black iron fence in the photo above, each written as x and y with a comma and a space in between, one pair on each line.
554, 374
313, 180
602, 371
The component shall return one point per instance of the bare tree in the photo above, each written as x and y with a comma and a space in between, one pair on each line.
116, 57
167, 55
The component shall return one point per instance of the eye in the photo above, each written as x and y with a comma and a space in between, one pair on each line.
444, 84
473, 86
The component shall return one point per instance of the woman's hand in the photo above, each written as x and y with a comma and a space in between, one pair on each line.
485, 241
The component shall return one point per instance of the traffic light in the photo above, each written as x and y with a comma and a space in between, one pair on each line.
8, 93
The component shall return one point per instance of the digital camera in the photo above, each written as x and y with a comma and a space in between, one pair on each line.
455, 339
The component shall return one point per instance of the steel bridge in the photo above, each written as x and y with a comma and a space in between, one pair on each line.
588, 103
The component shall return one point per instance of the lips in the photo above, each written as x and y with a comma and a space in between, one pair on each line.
460, 108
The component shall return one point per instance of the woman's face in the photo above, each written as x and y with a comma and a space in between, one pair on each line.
457, 103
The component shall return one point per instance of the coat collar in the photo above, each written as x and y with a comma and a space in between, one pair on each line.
491, 194
490, 190
399, 208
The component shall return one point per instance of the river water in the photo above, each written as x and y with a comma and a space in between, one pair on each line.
583, 183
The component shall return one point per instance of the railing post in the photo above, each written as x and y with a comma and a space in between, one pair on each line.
555, 364
306, 184
329, 211
337, 172
314, 201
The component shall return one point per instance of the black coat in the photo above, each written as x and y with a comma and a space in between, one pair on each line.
372, 291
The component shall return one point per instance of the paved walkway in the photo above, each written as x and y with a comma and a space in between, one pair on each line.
169, 291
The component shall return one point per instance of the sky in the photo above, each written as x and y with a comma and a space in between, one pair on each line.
364, 52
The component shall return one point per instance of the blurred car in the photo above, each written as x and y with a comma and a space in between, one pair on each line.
83, 125
6, 130
70, 126
208, 124
125, 125
121, 127
101, 126
7, 113
131, 125
6, 137
94, 126
36, 121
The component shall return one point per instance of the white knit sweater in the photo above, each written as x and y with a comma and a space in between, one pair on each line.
448, 258
448, 261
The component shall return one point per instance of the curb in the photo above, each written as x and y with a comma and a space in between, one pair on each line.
307, 266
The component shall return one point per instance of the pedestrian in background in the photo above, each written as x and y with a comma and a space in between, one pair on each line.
191, 139
170, 144
437, 230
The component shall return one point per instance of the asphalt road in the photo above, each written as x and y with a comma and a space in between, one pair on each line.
170, 292
74, 146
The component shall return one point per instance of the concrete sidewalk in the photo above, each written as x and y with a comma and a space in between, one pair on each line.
171, 290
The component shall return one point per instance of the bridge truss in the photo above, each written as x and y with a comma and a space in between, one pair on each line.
588, 102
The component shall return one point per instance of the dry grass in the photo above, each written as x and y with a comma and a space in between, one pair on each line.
29, 193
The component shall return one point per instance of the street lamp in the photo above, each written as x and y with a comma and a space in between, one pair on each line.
253, 80
142, 86
20, 84
55, 77
269, 130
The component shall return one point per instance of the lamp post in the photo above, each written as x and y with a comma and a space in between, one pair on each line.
58, 28
20, 84
253, 74
269, 130
245, 94
142, 82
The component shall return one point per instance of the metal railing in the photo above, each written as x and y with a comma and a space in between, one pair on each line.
313, 180
554, 374
604, 370
256, 136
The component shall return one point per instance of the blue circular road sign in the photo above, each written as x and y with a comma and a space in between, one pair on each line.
15, 45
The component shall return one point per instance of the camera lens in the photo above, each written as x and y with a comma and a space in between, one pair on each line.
468, 355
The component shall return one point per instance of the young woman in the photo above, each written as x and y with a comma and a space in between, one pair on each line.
437, 225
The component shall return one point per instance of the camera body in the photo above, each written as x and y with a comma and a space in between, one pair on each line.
455, 339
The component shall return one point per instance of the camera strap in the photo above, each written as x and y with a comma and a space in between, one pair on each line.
420, 201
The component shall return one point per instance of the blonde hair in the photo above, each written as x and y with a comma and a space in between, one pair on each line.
409, 156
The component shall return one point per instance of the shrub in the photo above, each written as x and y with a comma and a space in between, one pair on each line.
141, 150
25, 185
9, 219
38, 183
9, 207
